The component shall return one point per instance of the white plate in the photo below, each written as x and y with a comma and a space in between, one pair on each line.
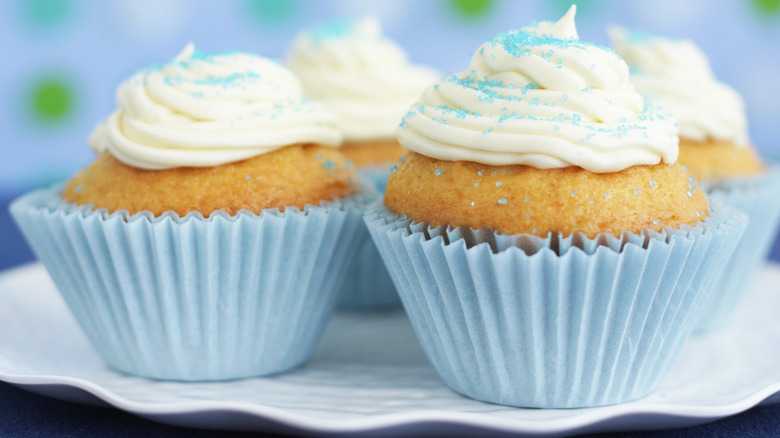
370, 375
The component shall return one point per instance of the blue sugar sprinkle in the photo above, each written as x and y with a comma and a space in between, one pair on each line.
393, 169
403, 124
591, 201
479, 173
476, 184
685, 168
533, 231
698, 213
690, 193
498, 183
401, 159
472, 203
248, 176
655, 222
574, 193
438, 172
564, 97
502, 201
606, 194
527, 199
328, 164
403, 216
636, 191
652, 182
528, 214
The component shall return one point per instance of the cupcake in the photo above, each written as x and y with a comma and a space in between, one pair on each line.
714, 147
367, 80
207, 239
547, 248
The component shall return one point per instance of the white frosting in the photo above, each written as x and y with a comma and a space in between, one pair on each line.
676, 75
206, 110
361, 75
540, 97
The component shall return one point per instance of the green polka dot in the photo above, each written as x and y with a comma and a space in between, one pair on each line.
767, 7
471, 8
585, 8
271, 11
46, 13
51, 99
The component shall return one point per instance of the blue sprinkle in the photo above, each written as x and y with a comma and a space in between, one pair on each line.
574, 193
636, 191
533, 231
652, 182
438, 172
328, 164
479, 173
655, 222
528, 214
403, 216
690, 193
476, 184
698, 213
502, 201
498, 183
527, 199
564, 97
393, 169
606, 195
591, 201
248, 176
401, 159
472, 203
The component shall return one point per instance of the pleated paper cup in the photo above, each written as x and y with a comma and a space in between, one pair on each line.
759, 198
376, 175
367, 284
195, 298
553, 322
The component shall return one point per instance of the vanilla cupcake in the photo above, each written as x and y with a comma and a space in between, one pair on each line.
547, 248
367, 80
714, 147
207, 240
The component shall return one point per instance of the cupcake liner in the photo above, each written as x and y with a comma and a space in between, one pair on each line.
367, 284
376, 175
552, 322
195, 298
759, 198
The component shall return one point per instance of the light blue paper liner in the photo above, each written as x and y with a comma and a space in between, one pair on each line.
195, 298
367, 284
376, 175
759, 198
552, 322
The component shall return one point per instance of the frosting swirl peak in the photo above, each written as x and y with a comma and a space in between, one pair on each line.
209, 109
538, 96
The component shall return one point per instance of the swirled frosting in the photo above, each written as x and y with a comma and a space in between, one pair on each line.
540, 97
365, 78
676, 75
205, 110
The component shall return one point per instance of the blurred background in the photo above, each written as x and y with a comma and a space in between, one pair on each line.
63, 59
